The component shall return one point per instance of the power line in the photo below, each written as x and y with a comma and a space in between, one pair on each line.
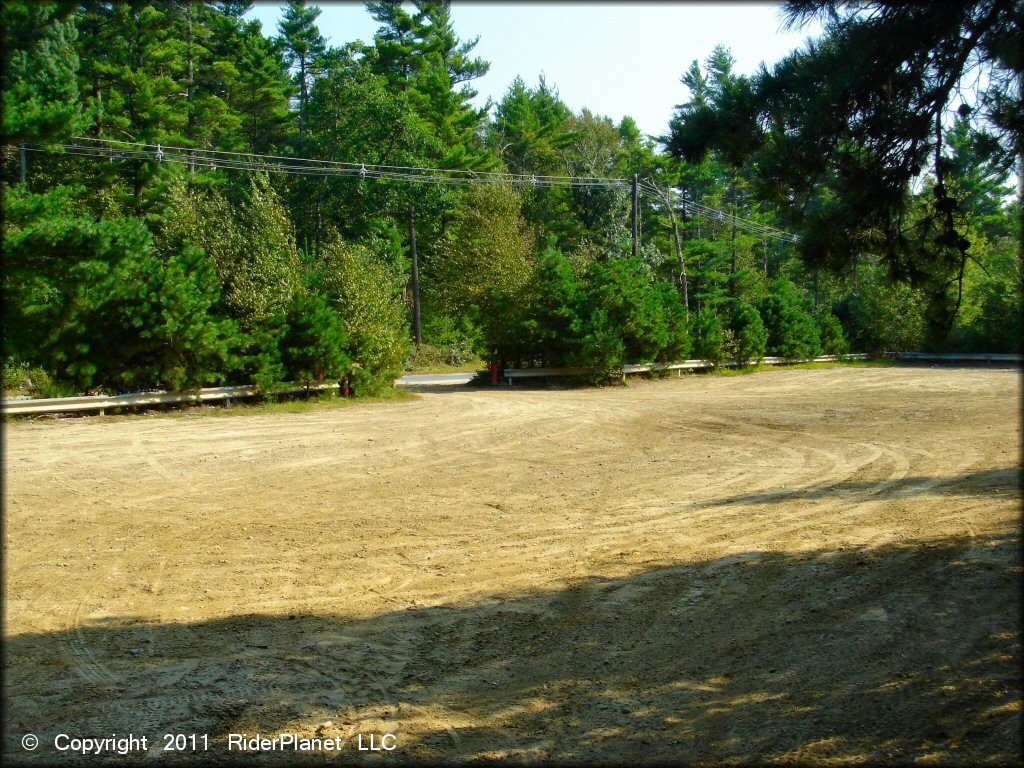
302, 167
694, 208
115, 151
171, 153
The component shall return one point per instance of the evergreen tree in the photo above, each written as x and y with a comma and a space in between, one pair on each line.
833, 341
792, 330
751, 337
134, 68
262, 91
708, 336
303, 45
840, 130
41, 98
440, 94
396, 45
313, 344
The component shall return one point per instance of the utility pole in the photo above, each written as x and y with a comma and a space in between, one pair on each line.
732, 276
683, 279
24, 163
415, 278
636, 213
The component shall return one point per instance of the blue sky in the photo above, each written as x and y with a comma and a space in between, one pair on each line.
614, 58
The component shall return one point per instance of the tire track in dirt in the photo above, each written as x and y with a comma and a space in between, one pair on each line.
404, 542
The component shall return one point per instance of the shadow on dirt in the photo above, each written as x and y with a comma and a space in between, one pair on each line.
991, 482
876, 654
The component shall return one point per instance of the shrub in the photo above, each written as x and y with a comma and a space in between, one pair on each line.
625, 317
619, 312
313, 343
833, 342
792, 331
456, 341
750, 335
368, 298
25, 379
708, 338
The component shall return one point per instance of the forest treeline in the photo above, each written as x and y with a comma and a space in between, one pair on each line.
124, 272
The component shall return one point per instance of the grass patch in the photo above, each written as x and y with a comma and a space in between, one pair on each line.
450, 358
808, 366
470, 367
300, 404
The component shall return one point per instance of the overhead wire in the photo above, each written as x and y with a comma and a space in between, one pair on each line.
240, 161
694, 208
353, 166
301, 167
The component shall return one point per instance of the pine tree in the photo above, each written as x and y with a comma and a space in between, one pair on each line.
41, 96
262, 91
313, 344
792, 330
303, 45
396, 46
133, 65
708, 336
749, 333
440, 93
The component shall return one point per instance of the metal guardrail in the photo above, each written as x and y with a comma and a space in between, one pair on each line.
962, 357
29, 407
523, 373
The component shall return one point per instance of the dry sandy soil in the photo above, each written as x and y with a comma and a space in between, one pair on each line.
804, 566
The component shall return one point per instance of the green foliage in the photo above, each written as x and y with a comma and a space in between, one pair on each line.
617, 312
751, 337
841, 131
990, 320
261, 86
487, 250
889, 319
191, 345
24, 379
792, 330
709, 337
367, 297
627, 318
40, 99
421, 56
313, 346
258, 261
303, 45
93, 302
677, 324
551, 324
450, 342
129, 272
833, 341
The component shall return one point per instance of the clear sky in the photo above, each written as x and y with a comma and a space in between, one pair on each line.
616, 59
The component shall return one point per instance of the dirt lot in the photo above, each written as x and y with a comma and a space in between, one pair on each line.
797, 565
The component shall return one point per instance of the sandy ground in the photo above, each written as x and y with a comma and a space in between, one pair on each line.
798, 565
